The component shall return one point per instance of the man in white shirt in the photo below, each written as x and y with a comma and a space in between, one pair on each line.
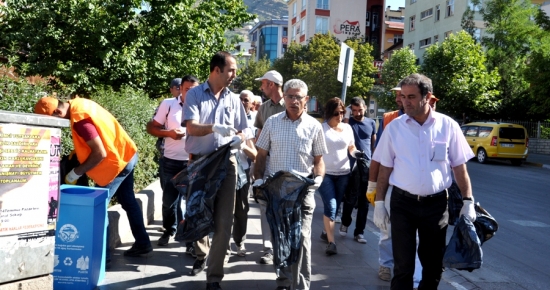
167, 124
415, 153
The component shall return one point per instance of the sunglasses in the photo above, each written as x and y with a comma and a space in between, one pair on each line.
336, 114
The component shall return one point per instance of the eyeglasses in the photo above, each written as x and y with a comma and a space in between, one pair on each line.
295, 97
336, 114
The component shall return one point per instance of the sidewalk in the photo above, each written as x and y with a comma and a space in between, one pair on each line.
354, 267
539, 160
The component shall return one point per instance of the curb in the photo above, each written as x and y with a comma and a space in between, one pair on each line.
535, 164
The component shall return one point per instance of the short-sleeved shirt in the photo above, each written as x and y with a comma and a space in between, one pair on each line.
362, 133
422, 155
267, 110
292, 145
169, 114
336, 160
202, 106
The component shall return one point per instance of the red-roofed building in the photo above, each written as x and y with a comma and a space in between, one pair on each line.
392, 31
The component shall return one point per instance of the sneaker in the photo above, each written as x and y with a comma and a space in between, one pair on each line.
164, 239
338, 219
324, 237
198, 266
360, 239
343, 230
384, 273
226, 259
331, 249
136, 251
241, 251
267, 258
213, 286
191, 251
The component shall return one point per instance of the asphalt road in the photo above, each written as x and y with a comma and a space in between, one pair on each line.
518, 256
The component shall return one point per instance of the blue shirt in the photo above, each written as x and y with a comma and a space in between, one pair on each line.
202, 106
362, 133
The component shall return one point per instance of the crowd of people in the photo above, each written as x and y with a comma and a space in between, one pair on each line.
409, 157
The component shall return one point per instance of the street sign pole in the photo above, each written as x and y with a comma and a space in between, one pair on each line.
344, 83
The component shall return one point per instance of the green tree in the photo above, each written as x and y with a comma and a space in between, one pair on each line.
538, 72
363, 69
247, 74
460, 79
401, 64
85, 43
287, 64
509, 32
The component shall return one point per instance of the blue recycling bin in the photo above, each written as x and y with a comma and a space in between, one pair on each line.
79, 261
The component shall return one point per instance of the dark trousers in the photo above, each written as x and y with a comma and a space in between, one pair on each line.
171, 198
240, 220
430, 217
362, 211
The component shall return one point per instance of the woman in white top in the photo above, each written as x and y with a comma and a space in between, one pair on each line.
340, 141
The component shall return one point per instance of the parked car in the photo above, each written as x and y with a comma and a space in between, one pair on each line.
494, 140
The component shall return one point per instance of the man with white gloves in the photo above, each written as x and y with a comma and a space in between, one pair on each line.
295, 143
215, 116
415, 153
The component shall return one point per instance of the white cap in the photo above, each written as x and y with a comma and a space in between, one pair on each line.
396, 89
273, 76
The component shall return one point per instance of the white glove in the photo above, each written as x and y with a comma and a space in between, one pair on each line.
468, 210
258, 182
355, 152
318, 180
72, 177
224, 130
381, 218
371, 192
236, 142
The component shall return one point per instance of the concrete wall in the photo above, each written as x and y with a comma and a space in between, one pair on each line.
539, 146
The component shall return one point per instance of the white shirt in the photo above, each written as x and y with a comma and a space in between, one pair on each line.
337, 161
422, 155
243, 159
171, 119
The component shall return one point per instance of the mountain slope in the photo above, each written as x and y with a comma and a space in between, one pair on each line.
267, 9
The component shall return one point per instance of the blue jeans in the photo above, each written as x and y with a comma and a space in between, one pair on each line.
123, 186
172, 213
332, 191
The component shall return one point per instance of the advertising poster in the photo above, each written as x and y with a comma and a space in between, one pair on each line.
24, 180
55, 159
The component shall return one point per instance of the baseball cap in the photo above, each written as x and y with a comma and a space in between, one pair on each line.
396, 89
46, 106
273, 76
434, 98
175, 83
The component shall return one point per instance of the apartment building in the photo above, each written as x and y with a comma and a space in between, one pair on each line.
269, 39
392, 31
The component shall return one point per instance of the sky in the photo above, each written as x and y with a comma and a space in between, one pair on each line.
395, 3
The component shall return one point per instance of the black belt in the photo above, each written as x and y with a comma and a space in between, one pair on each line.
418, 197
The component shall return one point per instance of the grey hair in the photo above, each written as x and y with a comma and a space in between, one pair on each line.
295, 84
423, 83
249, 93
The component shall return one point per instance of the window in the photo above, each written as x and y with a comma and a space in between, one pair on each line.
436, 38
293, 32
374, 20
321, 25
447, 34
268, 44
411, 46
450, 11
304, 4
425, 42
395, 19
322, 4
471, 131
437, 13
294, 9
368, 19
285, 31
477, 34
426, 13
397, 38
511, 133
303, 31
411, 23
485, 131
413, 1
472, 7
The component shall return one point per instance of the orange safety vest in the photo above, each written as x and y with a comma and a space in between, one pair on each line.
388, 117
119, 146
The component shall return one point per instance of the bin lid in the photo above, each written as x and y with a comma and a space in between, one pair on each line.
83, 195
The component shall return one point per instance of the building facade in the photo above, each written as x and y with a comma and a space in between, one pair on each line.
342, 18
269, 39
392, 31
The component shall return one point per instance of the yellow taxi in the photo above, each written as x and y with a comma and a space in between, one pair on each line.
495, 140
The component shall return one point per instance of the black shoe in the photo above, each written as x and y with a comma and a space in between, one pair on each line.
191, 251
213, 286
331, 249
198, 267
324, 237
164, 239
136, 251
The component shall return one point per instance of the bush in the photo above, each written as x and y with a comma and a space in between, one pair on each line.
132, 108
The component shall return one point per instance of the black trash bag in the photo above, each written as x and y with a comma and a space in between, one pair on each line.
464, 249
358, 181
68, 163
454, 203
199, 182
285, 193
486, 225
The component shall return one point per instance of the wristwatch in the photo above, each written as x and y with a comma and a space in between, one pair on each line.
467, 198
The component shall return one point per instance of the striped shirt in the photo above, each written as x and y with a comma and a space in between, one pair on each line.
292, 145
